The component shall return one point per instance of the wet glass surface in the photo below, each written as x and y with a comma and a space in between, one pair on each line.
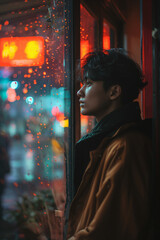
34, 108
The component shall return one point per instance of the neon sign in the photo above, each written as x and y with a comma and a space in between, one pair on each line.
21, 51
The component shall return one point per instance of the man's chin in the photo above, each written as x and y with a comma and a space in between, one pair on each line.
85, 113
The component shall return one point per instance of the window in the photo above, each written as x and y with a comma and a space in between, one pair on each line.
87, 44
106, 35
109, 36
34, 107
35, 102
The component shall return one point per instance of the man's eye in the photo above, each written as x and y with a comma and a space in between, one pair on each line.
88, 83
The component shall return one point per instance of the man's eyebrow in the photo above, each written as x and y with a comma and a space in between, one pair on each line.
84, 79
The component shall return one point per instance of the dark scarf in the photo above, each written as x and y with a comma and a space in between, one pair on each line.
106, 127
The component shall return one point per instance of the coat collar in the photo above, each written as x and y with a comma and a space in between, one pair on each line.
110, 123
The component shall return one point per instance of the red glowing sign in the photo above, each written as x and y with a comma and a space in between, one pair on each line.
21, 51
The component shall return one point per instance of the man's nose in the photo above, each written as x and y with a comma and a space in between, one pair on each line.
80, 92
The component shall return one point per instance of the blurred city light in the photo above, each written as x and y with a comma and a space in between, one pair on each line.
29, 100
14, 85
11, 94
22, 51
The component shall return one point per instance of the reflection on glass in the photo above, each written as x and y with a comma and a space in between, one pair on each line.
33, 102
106, 35
87, 44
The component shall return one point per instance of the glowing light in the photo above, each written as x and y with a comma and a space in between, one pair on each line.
106, 42
84, 120
25, 90
32, 49
56, 146
30, 70
6, 23
29, 100
55, 111
64, 123
18, 98
22, 51
106, 36
11, 93
14, 85
60, 116
9, 50
84, 47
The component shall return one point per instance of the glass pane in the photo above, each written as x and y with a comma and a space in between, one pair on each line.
33, 123
87, 44
106, 35
112, 38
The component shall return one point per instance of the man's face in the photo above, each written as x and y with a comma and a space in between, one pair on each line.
93, 98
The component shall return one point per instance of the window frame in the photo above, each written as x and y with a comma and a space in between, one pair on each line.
116, 18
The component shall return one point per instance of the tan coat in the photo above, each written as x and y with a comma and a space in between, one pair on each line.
112, 202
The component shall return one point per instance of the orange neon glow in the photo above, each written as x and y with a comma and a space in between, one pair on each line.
64, 123
18, 98
84, 120
6, 23
84, 47
106, 36
30, 70
25, 90
21, 51
106, 42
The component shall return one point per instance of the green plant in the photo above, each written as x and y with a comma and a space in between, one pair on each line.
31, 213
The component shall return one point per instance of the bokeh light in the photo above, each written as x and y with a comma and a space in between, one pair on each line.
29, 100
14, 85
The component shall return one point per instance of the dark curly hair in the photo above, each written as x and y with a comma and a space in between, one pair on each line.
114, 66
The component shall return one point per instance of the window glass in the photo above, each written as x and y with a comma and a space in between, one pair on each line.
112, 38
109, 36
33, 123
87, 44
106, 35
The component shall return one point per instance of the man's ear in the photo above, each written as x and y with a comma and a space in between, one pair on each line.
115, 92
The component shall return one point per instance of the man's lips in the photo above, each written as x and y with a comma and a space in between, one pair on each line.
81, 103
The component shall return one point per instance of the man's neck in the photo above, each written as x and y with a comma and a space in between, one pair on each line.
112, 108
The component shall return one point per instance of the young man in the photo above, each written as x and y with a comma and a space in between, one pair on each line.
113, 161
